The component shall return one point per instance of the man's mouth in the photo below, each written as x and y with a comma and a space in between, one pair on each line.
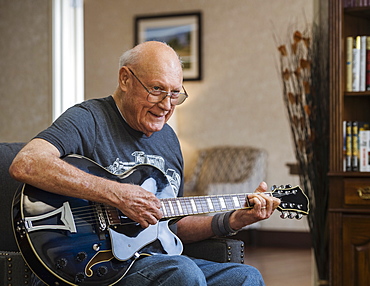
156, 115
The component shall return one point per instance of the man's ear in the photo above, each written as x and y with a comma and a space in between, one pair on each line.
123, 77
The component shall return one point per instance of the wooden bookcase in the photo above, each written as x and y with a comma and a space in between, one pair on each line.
349, 212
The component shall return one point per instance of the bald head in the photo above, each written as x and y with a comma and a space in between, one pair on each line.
151, 57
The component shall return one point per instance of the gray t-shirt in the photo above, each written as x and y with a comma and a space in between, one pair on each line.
95, 129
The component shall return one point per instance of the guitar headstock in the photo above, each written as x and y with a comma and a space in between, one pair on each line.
294, 202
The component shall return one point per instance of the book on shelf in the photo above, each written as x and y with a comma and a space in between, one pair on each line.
367, 63
348, 146
344, 146
355, 3
356, 146
356, 64
355, 154
364, 146
349, 55
362, 76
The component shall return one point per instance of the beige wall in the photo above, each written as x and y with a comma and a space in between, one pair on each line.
239, 101
25, 64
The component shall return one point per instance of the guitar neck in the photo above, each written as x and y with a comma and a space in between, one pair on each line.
184, 206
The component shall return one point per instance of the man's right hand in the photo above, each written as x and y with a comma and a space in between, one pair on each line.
138, 204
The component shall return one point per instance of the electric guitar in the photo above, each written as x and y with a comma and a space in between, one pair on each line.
71, 241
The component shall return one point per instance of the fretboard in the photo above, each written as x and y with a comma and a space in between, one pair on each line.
184, 206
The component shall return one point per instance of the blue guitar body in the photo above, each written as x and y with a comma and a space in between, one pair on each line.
70, 241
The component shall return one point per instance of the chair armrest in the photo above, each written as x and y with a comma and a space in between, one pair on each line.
217, 249
13, 269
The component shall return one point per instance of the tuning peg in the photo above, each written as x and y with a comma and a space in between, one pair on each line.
284, 215
273, 187
292, 215
288, 186
299, 216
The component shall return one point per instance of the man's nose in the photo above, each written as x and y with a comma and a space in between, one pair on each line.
166, 102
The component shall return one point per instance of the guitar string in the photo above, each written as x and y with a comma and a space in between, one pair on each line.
86, 212
85, 215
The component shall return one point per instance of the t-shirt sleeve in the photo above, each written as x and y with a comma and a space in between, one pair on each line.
73, 132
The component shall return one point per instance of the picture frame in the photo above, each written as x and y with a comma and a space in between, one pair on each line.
180, 31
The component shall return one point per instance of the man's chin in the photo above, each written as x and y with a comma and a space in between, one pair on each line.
153, 128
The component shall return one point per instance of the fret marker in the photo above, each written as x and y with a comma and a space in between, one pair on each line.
222, 202
171, 207
193, 205
236, 202
179, 206
210, 205
164, 208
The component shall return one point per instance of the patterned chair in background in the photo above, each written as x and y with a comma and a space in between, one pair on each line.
227, 170
223, 170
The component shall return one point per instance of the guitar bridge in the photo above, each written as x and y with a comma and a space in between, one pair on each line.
101, 218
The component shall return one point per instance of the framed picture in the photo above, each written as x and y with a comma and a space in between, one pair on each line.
181, 31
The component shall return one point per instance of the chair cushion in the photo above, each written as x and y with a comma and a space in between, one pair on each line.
8, 186
217, 249
13, 269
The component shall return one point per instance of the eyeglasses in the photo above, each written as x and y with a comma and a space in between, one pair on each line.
156, 95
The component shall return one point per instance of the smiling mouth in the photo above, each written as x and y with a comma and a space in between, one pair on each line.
158, 116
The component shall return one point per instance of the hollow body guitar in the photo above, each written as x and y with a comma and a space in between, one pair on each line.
71, 241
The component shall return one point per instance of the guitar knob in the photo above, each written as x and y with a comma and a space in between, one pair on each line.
80, 277
81, 256
102, 270
61, 263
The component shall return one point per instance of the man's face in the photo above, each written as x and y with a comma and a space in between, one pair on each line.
145, 116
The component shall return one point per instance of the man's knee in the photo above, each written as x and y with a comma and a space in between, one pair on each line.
247, 275
183, 271
164, 270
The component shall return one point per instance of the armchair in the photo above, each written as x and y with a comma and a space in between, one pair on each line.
227, 170
14, 270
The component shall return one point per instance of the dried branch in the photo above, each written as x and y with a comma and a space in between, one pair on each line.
304, 73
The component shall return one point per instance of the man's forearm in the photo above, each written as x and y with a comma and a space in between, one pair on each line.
194, 228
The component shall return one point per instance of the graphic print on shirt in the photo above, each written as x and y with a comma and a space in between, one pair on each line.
119, 167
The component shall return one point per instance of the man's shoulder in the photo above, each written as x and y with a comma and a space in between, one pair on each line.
97, 102
99, 107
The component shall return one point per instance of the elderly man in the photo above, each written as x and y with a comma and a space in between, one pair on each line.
117, 130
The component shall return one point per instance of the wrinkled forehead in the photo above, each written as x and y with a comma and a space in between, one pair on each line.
161, 67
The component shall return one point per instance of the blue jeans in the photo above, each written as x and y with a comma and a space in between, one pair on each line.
180, 270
